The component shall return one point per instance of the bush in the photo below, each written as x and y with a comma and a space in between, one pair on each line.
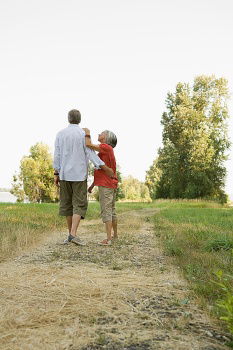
225, 304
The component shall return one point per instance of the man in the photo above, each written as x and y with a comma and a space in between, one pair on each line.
71, 158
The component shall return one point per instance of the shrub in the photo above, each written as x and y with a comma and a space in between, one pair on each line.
225, 304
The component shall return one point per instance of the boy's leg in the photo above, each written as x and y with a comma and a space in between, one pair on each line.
114, 216
108, 227
114, 226
105, 199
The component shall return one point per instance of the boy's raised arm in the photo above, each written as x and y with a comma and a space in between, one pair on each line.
88, 140
105, 168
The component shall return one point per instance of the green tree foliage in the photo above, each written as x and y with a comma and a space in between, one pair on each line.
119, 192
134, 190
17, 188
35, 179
191, 162
152, 177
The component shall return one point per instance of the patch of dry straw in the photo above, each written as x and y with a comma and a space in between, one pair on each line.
52, 308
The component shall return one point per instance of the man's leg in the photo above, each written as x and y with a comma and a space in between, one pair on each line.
75, 223
79, 202
66, 208
69, 223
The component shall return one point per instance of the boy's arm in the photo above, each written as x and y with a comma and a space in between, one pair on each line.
88, 141
90, 188
104, 167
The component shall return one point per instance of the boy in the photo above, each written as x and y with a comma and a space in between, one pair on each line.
107, 185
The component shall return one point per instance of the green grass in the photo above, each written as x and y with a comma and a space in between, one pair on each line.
21, 225
199, 236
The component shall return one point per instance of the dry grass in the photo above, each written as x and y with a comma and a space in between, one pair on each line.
71, 305
58, 298
23, 225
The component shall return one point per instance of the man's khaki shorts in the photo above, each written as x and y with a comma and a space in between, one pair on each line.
73, 198
107, 198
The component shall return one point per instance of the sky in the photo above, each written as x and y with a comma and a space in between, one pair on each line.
115, 61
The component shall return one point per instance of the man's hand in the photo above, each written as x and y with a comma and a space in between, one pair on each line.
56, 180
107, 170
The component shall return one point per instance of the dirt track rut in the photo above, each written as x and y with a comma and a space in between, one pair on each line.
127, 296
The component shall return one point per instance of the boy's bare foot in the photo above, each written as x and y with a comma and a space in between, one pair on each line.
105, 242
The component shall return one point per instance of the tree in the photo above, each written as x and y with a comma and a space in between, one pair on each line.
35, 179
152, 177
17, 188
119, 191
195, 141
134, 190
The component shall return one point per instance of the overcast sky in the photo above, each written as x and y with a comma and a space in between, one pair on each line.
115, 61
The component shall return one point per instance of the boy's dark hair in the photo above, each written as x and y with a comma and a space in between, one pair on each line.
111, 138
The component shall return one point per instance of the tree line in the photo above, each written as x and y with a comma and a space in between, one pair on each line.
190, 163
34, 182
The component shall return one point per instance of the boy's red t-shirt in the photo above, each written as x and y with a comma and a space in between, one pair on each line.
106, 154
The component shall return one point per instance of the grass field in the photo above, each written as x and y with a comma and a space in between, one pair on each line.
22, 225
199, 235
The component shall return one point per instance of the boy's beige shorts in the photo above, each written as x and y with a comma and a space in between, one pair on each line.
107, 198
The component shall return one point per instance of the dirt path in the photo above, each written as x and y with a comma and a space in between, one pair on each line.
127, 296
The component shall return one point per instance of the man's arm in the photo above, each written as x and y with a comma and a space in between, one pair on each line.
56, 162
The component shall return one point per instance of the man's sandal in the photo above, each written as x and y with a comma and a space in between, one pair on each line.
105, 242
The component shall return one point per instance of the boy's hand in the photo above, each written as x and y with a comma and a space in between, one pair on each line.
90, 188
108, 170
87, 131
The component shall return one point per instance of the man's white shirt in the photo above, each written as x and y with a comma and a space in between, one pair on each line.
71, 156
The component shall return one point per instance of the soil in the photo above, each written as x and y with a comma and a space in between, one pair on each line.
128, 296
